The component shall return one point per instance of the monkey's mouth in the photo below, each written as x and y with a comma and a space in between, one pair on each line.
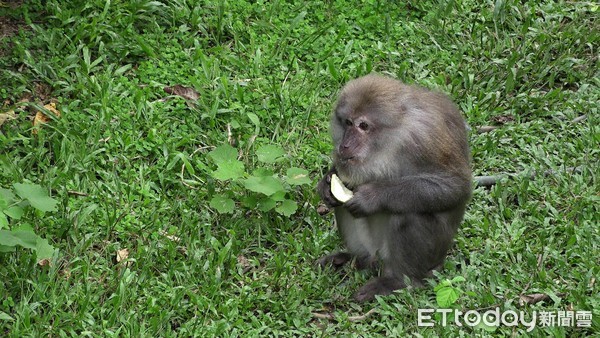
346, 159
353, 162
349, 159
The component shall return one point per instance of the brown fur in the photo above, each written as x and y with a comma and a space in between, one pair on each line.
403, 150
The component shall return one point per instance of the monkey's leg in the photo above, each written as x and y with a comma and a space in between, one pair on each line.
416, 244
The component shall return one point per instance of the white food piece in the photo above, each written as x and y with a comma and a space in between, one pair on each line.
339, 190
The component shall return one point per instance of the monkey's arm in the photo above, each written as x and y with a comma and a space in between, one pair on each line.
411, 194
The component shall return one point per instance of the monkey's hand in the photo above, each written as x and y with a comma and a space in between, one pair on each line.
324, 190
366, 201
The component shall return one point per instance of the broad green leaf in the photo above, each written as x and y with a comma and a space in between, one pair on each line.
14, 212
235, 124
265, 185
25, 239
222, 204
43, 249
442, 284
228, 166
24, 227
458, 279
36, 195
6, 248
287, 208
223, 154
269, 153
3, 221
266, 204
263, 172
230, 171
297, 176
249, 202
7, 196
278, 196
446, 296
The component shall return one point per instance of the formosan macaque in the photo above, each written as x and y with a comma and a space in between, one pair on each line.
403, 152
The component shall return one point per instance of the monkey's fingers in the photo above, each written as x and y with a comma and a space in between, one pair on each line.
330, 173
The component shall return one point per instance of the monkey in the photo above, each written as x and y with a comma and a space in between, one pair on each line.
403, 151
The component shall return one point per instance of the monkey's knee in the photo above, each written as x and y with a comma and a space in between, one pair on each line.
336, 260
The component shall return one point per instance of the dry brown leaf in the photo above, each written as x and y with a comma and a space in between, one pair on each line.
41, 117
25, 98
244, 263
66, 273
122, 255
42, 91
187, 93
503, 119
44, 262
171, 237
7, 116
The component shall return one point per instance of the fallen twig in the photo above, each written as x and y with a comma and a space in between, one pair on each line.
487, 181
76, 193
579, 119
485, 129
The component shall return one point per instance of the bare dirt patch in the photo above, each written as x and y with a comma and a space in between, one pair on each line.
9, 26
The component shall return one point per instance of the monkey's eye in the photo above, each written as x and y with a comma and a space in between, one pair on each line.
348, 122
363, 126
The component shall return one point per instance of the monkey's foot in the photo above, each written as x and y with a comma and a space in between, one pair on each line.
378, 286
336, 260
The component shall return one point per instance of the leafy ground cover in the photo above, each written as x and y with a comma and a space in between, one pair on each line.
177, 176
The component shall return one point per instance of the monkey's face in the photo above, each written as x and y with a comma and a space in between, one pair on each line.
366, 130
359, 143
353, 138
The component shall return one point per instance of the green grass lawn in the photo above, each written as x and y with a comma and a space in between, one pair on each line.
171, 180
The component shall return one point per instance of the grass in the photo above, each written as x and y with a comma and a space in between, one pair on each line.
128, 162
